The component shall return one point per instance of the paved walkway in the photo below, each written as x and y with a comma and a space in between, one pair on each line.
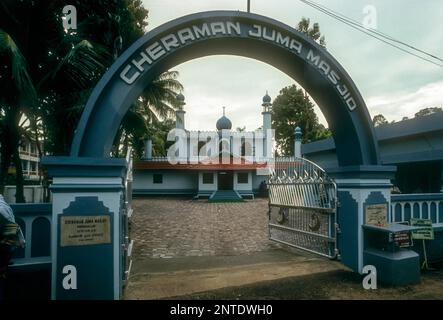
170, 228
167, 278
200, 250
185, 247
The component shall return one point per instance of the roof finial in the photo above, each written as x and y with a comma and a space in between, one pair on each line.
224, 111
266, 100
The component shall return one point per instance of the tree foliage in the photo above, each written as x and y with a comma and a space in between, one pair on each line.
292, 108
48, 73
379, 120
428, 111
313, 32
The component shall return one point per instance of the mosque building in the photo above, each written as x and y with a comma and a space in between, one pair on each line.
220, 164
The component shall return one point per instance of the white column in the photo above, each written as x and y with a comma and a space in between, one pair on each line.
267, 120
89, 191
441, 177
297, 142
148, 149
180, 119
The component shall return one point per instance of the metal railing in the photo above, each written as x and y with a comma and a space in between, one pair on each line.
300, 183
202, 159
35, 221
423, 206
127, 243
302, 206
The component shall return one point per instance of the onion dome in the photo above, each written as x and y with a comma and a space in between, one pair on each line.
180, 100
266, 98
180, 97
266, 103
223, 123
298, 133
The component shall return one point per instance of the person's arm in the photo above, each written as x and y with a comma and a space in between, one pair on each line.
18, 239
21, 239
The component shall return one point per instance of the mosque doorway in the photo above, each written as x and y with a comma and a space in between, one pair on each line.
225, 180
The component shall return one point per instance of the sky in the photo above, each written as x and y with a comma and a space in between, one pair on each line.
391, 82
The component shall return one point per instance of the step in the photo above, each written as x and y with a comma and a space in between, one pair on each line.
225, 196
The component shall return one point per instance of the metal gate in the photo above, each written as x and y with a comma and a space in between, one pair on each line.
126, 242
303, 206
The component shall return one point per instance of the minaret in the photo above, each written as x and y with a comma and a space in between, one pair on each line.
148, 149
223, 125
180, 113
267, 122
297, 142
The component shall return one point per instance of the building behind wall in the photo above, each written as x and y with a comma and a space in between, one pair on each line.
29, 155
30, 160
415, 146
28, 152
236, 164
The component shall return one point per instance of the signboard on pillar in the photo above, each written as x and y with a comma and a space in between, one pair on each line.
376, 214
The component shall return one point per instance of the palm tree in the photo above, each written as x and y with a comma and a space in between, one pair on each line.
156, 104
61, 105
19, 96
54, 71
37, 75
312, 32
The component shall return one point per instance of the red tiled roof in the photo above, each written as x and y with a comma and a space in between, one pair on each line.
235, 164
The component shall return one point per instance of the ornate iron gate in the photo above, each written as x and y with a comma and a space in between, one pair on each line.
126, 242
303, 206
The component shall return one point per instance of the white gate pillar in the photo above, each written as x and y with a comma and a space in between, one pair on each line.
87, 208
441, 177
358, 187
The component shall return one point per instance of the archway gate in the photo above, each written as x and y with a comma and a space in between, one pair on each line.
88, 186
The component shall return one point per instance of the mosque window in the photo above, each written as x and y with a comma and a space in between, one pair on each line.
242, 177
208, 178
158, 178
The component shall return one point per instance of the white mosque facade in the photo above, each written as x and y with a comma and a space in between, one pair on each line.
208, 164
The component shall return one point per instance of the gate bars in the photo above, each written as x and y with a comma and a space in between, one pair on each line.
303, 206
126, 241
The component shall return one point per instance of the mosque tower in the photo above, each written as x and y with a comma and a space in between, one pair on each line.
267, 122
180, 113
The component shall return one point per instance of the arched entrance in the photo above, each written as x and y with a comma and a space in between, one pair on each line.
233, 33
89, 186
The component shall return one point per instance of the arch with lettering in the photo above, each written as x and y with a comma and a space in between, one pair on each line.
230, 33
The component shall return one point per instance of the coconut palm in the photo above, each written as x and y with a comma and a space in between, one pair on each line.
157, 104
312, 32
54, 71
17, 96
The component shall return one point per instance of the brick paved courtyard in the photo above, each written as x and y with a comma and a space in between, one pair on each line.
170, 228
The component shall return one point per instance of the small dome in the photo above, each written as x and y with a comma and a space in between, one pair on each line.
180, 97
224, 123
297, 133
266, 98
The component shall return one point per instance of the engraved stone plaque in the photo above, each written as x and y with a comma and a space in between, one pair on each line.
377, 214
84, 230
